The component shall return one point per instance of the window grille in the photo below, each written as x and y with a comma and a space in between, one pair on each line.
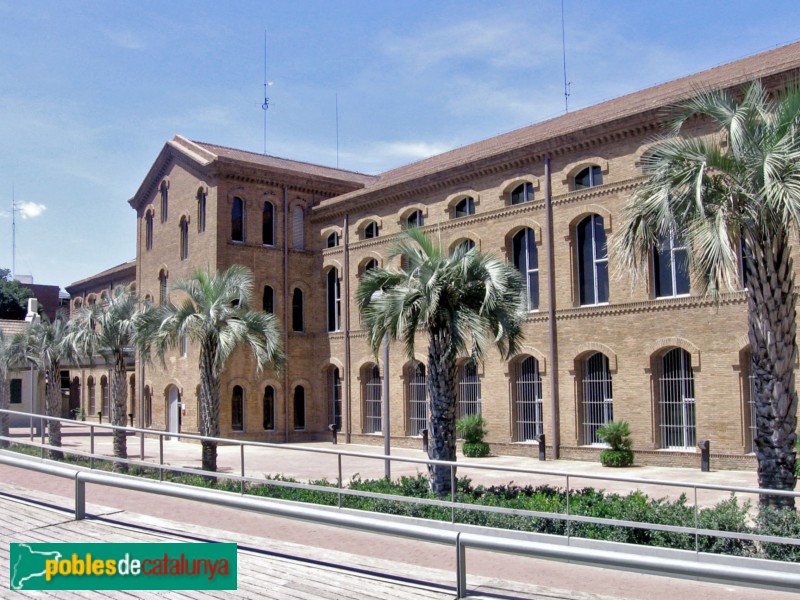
372, 400
469, 390
677, 401
597, 398
417, 399
527, 390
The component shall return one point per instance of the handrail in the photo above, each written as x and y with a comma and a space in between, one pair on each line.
751, 576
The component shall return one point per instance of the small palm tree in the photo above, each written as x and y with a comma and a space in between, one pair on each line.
108, 330
214, 313
45, 344
7, 360
736, 191
464, 301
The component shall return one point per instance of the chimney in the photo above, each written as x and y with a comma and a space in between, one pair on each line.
33, 311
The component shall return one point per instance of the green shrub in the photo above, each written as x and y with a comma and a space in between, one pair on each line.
473, 429
779, 522
617, 435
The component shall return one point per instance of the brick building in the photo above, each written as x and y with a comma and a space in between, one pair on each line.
656, 353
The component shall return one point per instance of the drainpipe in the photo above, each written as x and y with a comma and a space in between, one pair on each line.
347, 378
286, 309
551, 310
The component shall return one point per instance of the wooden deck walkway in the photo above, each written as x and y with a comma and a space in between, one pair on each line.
267, 568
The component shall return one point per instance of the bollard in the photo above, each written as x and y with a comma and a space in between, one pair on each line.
130, 419
333, 429
705, 455
100, 418
542, 447
425, 440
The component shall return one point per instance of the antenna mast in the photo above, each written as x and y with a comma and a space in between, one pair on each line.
265, 106
13, 235
337, 130
564, 60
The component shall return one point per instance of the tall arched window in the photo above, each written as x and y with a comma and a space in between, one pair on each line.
416, 398
597, 404
527, 392
334, 398
589, 177
268, 300
469, 389
369, 265
415, 219
105, 399
148, 230
371, 389
332, 241
268, 408
670, 267
184, 229
526, 260
297, 310
334, 300
299, 407
237, 408
201, 210
464, 207
298, 228
522, 193
592, 261
162, 287
268, 224
164, 201
237, 220
676, 400
148, 407
92, 403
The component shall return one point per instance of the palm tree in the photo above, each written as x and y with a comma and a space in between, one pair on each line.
464, 301
7, 360
730, 194
45, 344
108, 330
214, 313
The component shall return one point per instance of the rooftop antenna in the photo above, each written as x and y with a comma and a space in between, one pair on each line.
564, 61
265, 106
337, 130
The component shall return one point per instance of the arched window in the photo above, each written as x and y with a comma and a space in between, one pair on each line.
371, 389
297, 310
333, 240
597, 406
201, 210
464, 245
148, 231
184, 227
164, 201
676, 400
526, 389
589, 177
162, 287
268, 224
237, 220
148, 407
592, 261
92, 403
105, 398
670, 267
269, 408
334, 398
464, 207
369, 265
298, 228
526, 260
299, 407
334, 300
416, 398
415, 219
268, 300
522, 193
370, 230
469, 389
237, 408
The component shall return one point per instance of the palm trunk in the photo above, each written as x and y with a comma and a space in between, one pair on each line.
53, 409
119, 405
771, 329
5, 419
442, 390
209, 405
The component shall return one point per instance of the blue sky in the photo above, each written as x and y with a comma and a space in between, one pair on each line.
90, 91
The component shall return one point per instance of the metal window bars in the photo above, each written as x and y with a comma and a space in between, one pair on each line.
417, 399
676, 400
527, 390
597, 405
372, 400
469, 390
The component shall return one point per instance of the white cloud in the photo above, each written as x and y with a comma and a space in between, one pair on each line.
30, 210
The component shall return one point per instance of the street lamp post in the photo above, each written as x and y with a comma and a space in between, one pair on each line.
387, 450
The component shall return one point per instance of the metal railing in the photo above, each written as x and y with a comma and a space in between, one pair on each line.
460, 535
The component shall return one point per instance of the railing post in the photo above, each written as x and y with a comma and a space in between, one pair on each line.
705, 455
41, 429
453, 493
339, 493
569, 522
80, 498
461, 568
160, 456
542, 447
696, 523
241, 482
91, 446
